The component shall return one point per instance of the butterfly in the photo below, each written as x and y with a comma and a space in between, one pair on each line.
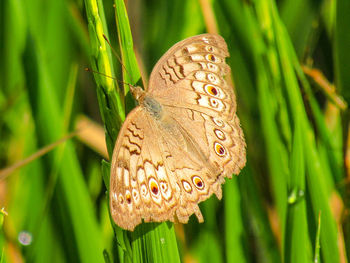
175, 149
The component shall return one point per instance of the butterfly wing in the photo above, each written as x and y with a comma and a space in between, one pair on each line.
154, 174
189, 82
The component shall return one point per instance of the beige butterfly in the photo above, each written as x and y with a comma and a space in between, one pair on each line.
175, 149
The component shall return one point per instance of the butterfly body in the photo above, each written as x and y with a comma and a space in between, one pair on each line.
153, 107
175, 149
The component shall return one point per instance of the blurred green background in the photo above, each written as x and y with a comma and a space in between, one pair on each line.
290, 66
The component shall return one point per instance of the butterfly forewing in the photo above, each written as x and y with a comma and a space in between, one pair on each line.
190, 78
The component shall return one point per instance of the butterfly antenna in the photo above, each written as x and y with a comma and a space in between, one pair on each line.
107, 76
118, 57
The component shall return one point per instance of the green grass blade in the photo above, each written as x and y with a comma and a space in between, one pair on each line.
297, 243
110, 103
233, 222
131, 73
317, 243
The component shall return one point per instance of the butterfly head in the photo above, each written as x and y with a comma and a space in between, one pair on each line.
138, 93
